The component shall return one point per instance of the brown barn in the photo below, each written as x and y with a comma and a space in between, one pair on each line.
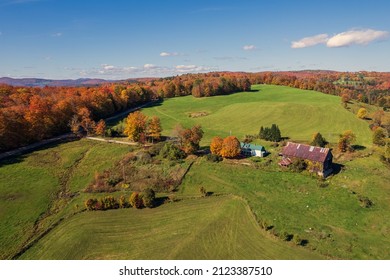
320, 159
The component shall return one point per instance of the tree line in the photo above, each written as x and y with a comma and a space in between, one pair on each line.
31, 114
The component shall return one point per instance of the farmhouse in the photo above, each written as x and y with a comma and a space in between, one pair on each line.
251, 150
319, 159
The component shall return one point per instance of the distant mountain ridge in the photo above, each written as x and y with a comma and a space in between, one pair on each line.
35, 82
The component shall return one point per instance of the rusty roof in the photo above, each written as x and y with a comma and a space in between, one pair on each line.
303, 151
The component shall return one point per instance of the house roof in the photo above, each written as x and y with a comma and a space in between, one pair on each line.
303, 151
251, 146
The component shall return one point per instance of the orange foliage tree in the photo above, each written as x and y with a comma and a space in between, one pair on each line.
189, 138
216, 145
154, 128
101, 128
230, 147
86, 121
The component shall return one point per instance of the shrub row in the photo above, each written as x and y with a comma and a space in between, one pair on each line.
136, 200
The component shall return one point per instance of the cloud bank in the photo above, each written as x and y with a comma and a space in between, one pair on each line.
148, 69
343, 39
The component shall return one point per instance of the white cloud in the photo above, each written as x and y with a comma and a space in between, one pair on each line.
164, 54
192, 68
58, 34
310, 41
108, 67
343, 39
149, 66
356, 37
249, 47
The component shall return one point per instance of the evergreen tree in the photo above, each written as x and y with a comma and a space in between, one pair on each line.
261, 133
270, 133
318, 140
275, 133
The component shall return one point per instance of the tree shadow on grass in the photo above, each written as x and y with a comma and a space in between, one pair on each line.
358, 147
304, 242
158, 201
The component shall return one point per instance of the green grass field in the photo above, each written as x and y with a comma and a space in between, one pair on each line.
298, 113
206, 228
330, 219
30, 186
43, 190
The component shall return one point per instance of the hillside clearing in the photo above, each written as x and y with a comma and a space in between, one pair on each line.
209, 228
298, 113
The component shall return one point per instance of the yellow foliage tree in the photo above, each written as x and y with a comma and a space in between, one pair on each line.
136, 124
154, 128
345, 141
362, 113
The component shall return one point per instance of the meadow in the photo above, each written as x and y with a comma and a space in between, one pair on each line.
298, 113
39, 188
208, 228
252, 209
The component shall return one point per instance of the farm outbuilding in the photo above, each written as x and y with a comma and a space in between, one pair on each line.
319, 159
250, 150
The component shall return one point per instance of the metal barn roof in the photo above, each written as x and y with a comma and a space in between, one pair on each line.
303, 151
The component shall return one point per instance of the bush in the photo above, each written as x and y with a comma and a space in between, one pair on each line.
123, 202
148, 198
113, 180
144, 157
365, 202
298, 165
135, 200
171, 152
109, 202
285, 236
203, 191
155, 149
213, 158
91, 204
297, 240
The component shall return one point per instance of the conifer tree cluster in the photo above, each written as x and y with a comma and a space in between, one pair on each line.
270, 133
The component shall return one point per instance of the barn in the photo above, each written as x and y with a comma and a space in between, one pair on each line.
250, 150
319, 159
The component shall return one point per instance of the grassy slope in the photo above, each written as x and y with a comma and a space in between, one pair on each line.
298, 113
331, 218
29, 186
209, 228
278, 198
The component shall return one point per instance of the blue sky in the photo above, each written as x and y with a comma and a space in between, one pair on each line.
63, 39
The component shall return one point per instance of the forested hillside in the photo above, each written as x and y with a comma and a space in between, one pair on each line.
30, 114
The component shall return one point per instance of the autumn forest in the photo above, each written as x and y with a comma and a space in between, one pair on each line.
30, 114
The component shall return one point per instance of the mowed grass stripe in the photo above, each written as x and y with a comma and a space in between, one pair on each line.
209, 228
